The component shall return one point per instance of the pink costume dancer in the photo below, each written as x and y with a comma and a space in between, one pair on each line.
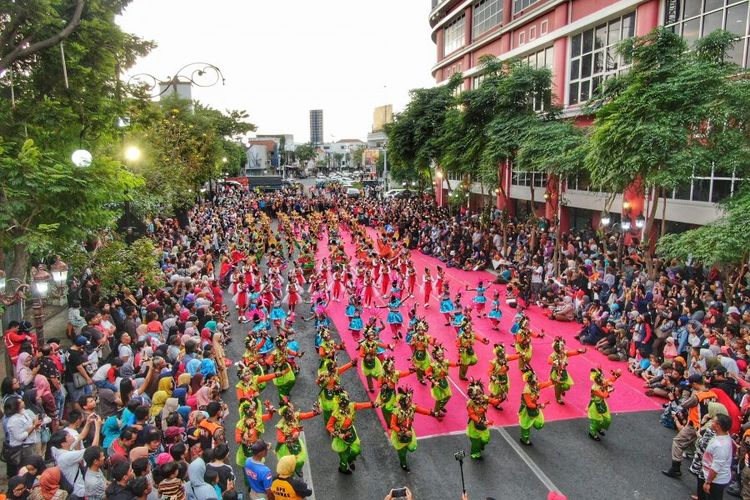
336, 293
427, 287
411, 278
385, 278
369, 291
293, 294
240, 301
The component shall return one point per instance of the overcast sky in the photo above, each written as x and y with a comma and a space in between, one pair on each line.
282, 58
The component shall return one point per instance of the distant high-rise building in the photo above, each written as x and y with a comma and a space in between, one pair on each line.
316, 126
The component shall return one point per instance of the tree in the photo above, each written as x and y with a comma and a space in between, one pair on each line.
722, 243
304, 153
358, 156
46, 202
556, 148
119, 266
28, 27
673, 115
414, 136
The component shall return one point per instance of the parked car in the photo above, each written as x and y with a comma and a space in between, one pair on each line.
352, 192
398, 194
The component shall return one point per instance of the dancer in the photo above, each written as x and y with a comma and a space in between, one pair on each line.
388, 380
395, 319
530, 413
401, 424
477, 428
495, 313
467, 357
446, 304
498, 372
410, 276
372, 368
355, 321
523, 336
599, 416
479, 300
250, 427
288, 431
427, 286
279, 362
330, 386
559, 372
420, 357
437, 374
341, 428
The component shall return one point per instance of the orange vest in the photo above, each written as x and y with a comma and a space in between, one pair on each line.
282, 489
694, 414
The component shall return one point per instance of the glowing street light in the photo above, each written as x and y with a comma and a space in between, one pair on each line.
606, 219
132, 153
81, 158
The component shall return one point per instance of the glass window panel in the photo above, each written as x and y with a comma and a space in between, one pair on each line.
614, 32
683, 192
712, 5
575, 46
691, 8
586, 66
585, 90
598, 61
575, 69
722, 189
548, 57
701, 189
588, 41
600, 36
735, 53
671, 11
712, 22
690, 31
595, 82
573, 93
737, 19
628, 26
611, 59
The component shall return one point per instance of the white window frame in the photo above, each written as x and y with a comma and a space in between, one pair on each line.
454, 35
521, 38
489, 20
543, 26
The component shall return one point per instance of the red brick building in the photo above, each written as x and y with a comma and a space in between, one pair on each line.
575, 39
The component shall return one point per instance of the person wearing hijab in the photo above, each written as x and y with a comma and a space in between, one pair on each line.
198, 489
24, 373
44, 392
208, 368
182, 391
193, 366
49, 486
17, 489
220, 359
285, 485
158, 402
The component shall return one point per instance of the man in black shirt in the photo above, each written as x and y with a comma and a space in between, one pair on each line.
76, 364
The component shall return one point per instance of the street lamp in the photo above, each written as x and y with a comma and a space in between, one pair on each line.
8, 299
132, 153
59, 272
626, 225
606, 219
81, 158
640, 221
200, 74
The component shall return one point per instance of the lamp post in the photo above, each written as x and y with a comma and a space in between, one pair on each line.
41, 281
385, 166
9, 299
200, 74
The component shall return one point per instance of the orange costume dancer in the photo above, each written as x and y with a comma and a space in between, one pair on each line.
559, 372
341, 428
477, 429
530, 413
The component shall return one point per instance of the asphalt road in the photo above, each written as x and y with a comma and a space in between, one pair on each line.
625, 465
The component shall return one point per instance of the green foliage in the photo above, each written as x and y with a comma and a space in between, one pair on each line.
722, 242
414, 136
183, 145
119, 266
304, 153
673, 114
555, 147
46, 202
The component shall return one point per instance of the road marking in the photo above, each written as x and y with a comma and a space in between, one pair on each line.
538, 472
306, 472
440, 434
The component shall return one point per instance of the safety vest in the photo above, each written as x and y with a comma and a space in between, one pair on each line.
282, 489
696, 412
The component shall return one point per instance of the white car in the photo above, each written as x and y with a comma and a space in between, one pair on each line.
352, 192
393, 193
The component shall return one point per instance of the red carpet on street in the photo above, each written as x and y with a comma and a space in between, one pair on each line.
628, 395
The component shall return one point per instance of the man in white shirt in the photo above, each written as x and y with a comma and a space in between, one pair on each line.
717, 461
68, 459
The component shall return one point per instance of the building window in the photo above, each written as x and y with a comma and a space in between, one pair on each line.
532, 32
694, 19
454, 35
519, 5
713, 188
543, 27
536, 179
487, 15
522, 38
477, 81
540, 59
594, 58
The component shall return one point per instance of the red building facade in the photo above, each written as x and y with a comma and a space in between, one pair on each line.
576, 40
